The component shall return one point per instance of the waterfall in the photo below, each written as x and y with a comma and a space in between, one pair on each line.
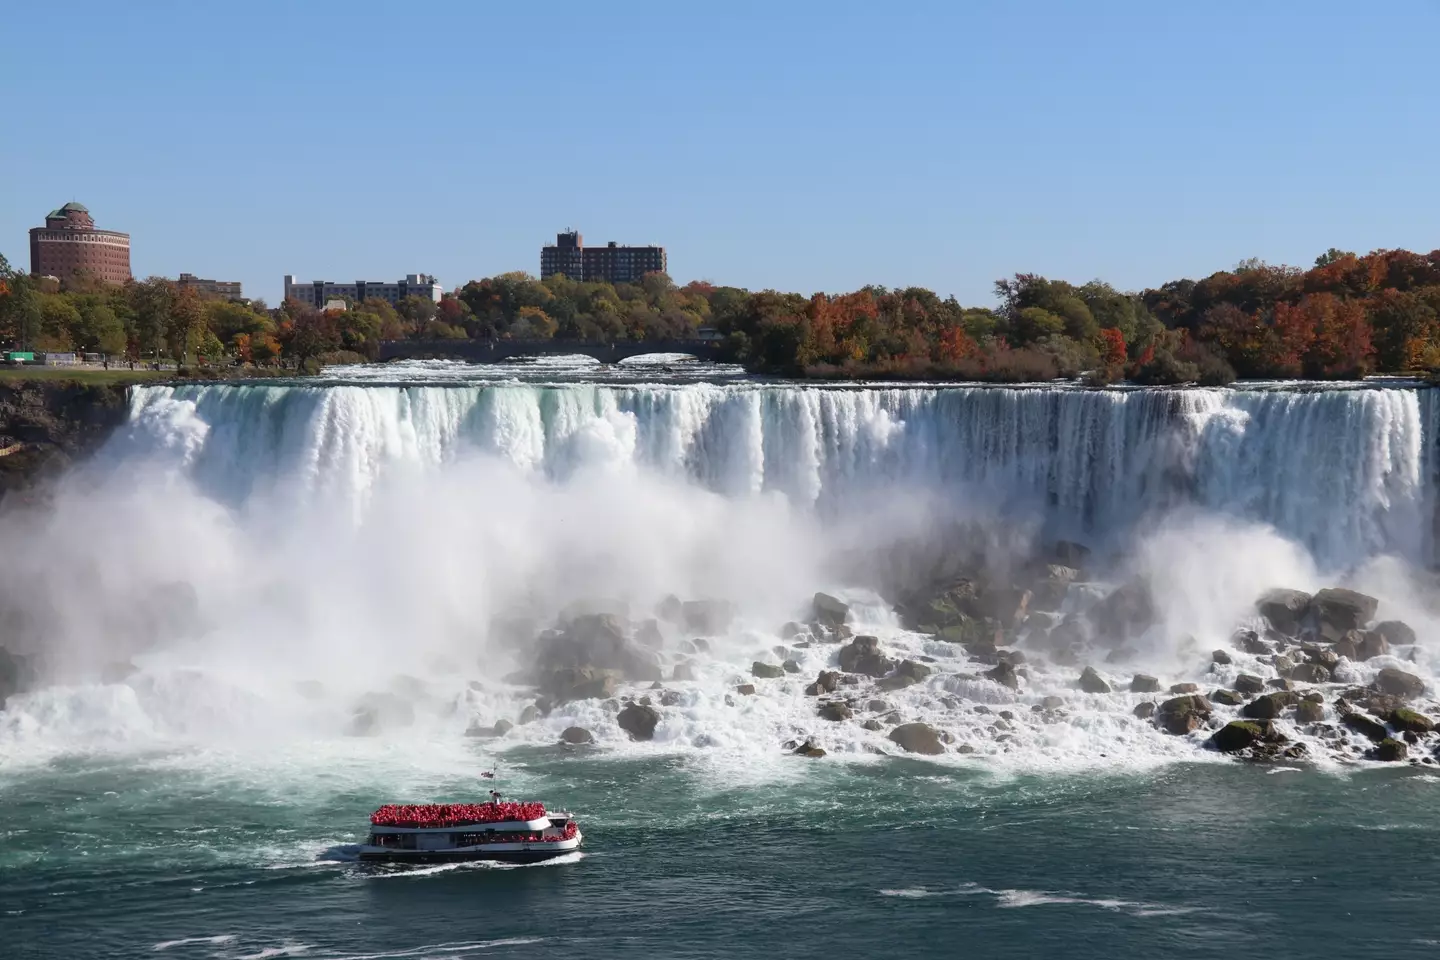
1348, 473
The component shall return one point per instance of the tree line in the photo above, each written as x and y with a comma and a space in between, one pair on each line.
1345, 317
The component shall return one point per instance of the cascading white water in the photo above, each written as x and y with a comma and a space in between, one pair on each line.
353, 536
1348, 473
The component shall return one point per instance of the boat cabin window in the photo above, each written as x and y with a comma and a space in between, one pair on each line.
393, 841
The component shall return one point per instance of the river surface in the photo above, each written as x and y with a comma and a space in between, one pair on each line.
256, 561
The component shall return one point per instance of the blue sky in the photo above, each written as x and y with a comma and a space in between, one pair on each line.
796, 145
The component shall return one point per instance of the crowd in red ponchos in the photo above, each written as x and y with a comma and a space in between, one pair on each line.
453, 814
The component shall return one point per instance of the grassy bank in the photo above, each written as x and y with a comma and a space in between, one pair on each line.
86, 376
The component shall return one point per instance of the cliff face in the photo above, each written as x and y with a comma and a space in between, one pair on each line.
46, 425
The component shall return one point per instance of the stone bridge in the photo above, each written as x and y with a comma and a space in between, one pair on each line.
496, 351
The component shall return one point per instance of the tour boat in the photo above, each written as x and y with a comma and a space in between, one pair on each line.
443, 832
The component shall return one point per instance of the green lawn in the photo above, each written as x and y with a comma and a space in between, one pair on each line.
113, 377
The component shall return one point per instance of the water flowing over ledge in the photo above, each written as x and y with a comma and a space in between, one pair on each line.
1349, 473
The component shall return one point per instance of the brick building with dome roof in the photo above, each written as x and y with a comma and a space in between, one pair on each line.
69, 247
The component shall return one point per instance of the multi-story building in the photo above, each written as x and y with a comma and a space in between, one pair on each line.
69, 248
210, 289
564, 256
611, 263
317, 292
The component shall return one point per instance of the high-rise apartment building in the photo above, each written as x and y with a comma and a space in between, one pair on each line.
611, 263
69, 248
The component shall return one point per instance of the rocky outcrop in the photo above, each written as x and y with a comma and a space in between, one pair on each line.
1284, 610
1238, 735
1389, 750
766, 671
1143, 683
1128, 611
1365, 726
1182, 715
1337, 611
1092, 682
1309, 673
639, 721
907, 673
835, 711
1220, 657
827, 682
862, 655
16, 674
1398, 683
1397, 633
1005, 675
1410, 721
577, 736
1269, 706
829, 610
809, 749
59, 422
1250, 684
574, 662
1308, 711
917, 738
1230, 698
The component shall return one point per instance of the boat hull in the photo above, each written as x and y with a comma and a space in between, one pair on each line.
498, 852
463, 856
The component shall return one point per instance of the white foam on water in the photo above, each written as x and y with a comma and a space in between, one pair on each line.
1010, 899
218, 939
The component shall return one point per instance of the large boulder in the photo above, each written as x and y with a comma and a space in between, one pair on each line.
862, 655
1398, 683
16, 674
827, 682
708, 617
1337, 611
1371, 644
1182, 715
1250, 684
577, 736
1270, 706
830, 611
1284, 610
639, 721
1409, 721
835, 711
766, 671
809, 749
1005, 675
1397, 633
917, 738
1144, 710
1127, 611
1309, 711
566, 684
1229, 698
1239, 735
648, 634
1389, 750
1309, 673
1092, 682
1365, 726
1143, 683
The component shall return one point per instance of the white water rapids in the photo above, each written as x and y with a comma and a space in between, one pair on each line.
357, 535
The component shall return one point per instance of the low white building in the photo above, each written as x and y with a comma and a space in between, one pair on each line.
317, 292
